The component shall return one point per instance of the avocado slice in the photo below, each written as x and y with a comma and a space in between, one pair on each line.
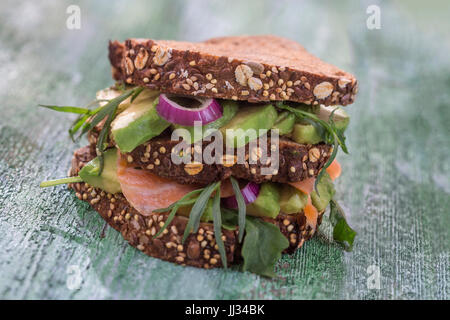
137, 124
292, 200
305, 133
340, 117
267, 202
326, 190
107, 181
248, 118
230, 109
285, 123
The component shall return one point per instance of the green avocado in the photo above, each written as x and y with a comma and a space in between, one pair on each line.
267, 202
305, 133
285, 123
137, 124
230, 109
340, 117
326, 190
246, 119
292, 200
107, 181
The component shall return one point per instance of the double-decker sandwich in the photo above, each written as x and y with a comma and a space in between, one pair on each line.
214, 153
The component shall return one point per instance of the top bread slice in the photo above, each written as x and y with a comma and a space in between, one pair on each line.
251, 68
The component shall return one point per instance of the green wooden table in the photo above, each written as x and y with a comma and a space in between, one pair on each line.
395, 185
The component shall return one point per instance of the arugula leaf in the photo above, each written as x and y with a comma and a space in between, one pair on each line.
68, 109
51, 183
262, 248
263, 243
342, 232
136, 93
198, 209
330, 134
229, 219
168, 221
217, 218
241, 207
326, 165
174, 207
88, 119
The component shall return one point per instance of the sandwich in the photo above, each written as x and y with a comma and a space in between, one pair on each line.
215, 153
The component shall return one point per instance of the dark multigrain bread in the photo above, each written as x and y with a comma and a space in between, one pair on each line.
296, 162
199, 250
253, 68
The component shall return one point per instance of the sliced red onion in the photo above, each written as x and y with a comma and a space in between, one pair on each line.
208, 110
250, 192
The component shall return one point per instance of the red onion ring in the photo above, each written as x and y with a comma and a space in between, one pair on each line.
171, 111
250, 192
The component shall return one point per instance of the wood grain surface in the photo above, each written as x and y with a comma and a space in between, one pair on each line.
395, 184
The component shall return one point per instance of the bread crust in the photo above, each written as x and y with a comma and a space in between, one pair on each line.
199, 250
252, 68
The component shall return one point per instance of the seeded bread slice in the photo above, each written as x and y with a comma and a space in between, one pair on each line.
252, 68
199, 250
296, 162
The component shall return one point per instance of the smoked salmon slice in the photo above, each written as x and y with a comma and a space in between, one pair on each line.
311, 214
305, 186
147, 192
334, 170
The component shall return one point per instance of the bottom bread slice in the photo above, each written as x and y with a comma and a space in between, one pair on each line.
199, 249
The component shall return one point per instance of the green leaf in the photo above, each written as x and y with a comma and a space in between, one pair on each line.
76, 125
68, 109
106, 110
217, 218
51, 183
135, 94
174, 207
342, 232
229, 219
262, 248
263, 243
241, 207
198, 209
331, 129
168, 221
332, 136
326, 165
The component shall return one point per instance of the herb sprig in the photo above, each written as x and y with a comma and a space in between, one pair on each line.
88, 119
199, 205
217, 219
198, 208
52, 183
173, 208
342, 232
330, 134
241, 207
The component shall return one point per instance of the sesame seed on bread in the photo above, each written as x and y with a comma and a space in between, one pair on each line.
199, 250
252, 68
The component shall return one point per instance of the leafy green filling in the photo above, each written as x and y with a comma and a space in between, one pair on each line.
328, 131
342, 232
88, 119
262, 246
